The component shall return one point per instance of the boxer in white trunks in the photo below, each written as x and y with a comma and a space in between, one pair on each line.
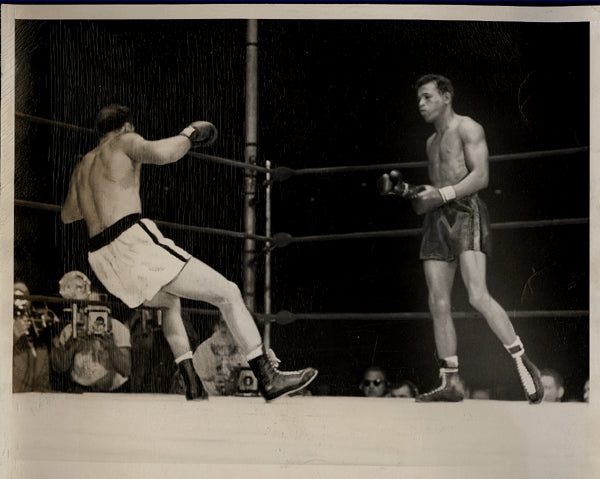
133, 260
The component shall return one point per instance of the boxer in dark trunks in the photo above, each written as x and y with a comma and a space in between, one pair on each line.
456, 232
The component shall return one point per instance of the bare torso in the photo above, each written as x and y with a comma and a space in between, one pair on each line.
446, 154
107, 183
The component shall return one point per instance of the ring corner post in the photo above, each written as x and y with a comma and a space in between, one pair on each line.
250, 154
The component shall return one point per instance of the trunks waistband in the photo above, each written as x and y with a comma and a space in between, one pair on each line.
113, 231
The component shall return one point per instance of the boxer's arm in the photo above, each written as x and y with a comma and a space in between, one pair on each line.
70, 211
159, 152
476, 159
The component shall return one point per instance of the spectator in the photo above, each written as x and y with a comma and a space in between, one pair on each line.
98, 356
31, 337
218, 362
404, 389
152, 365
553, 385
374, 382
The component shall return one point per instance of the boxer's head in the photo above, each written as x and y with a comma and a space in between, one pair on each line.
443, 84
113, 117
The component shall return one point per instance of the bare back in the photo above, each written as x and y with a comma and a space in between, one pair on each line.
446, 154
107, 184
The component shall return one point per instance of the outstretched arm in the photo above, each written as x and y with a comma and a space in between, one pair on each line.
70, 211
168, 150
159, 152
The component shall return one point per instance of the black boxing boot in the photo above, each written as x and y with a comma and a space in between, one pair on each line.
273, 383
530, 376
193, 385
450, 389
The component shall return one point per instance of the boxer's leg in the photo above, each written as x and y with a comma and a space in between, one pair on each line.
200, 282
473, 271
173, 328
177, 338
439, 276
440, 279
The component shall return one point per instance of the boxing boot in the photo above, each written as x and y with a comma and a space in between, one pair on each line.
193, 385
530, 376
531, 379
273, 383
450, 389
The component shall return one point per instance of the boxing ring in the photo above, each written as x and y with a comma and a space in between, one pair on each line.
142, 435
305, 435
157, 435
272, 242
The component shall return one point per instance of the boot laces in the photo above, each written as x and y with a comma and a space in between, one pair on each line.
525, 376
275, 362
441, 387
273, 359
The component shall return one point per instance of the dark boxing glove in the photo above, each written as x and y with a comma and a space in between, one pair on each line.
384, 185
200, 133
391, 184
429, 197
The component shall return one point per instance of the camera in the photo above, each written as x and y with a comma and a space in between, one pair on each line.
247, 383
97, 320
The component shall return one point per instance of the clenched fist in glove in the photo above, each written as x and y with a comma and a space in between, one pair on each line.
391, 184
200, 133
429, 197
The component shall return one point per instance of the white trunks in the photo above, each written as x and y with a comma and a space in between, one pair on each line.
133, 260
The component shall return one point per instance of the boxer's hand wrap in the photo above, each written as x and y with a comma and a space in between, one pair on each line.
429, 197
448, 193
200, 133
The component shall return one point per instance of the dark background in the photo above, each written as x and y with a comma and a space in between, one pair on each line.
331, 93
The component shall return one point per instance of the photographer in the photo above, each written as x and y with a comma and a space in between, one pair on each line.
218, 363
98, 356
31, 339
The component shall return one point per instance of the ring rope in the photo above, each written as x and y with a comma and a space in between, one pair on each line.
283, 173
284, 317
225, 161
198, 229
283, 239
44, 121
39, 298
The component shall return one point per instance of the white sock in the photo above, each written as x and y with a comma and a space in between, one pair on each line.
255, 353
452, 362
183, 357
515, 349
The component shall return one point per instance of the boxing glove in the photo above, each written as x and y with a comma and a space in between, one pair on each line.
200, 133
429, 197
391, 184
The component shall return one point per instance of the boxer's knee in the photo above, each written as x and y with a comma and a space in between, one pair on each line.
230, 294
479, 298
439, 304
